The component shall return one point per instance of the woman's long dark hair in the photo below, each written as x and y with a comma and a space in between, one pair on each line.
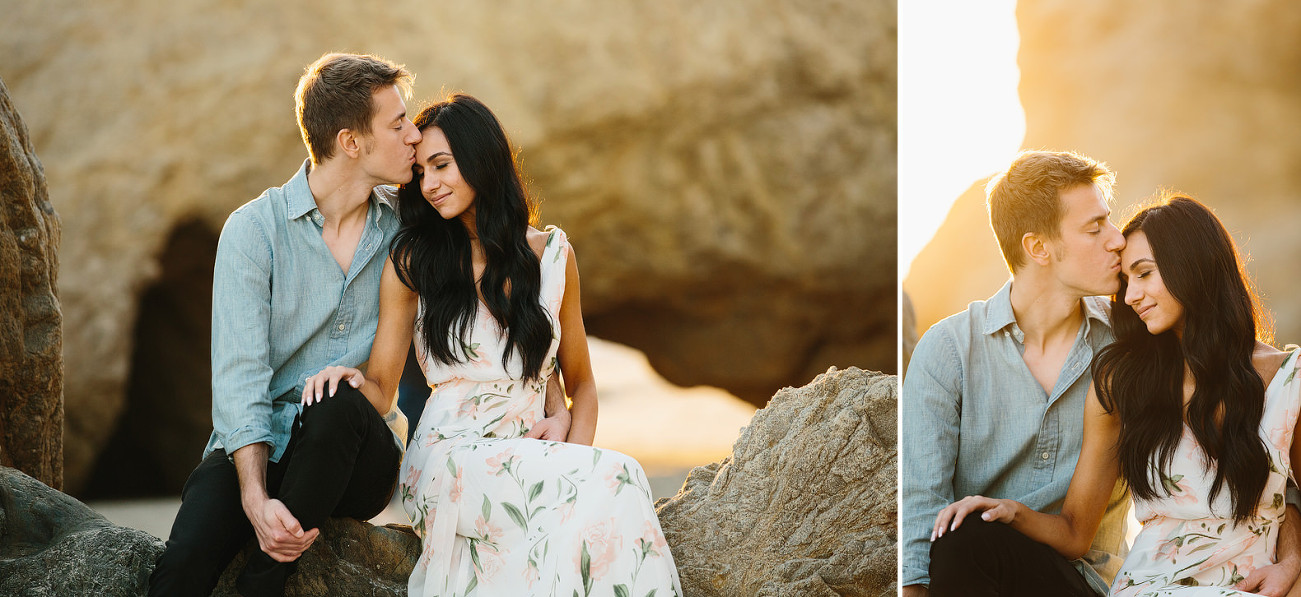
1141, 375
432, 255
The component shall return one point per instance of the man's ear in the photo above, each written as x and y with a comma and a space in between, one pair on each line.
348, 142
1036, 248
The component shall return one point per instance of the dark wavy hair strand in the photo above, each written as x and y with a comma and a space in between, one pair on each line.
432, 256
1140, 376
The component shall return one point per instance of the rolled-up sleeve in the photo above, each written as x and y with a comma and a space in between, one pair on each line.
241, 320
930, 409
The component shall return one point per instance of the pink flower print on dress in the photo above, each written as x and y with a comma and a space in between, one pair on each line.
1169, 549
489, 563
500, 464
473, 351
487, 531
652, 539
566, 510
602, 547
413, 477
532, 574
1280, 434
458, 487
1218, 557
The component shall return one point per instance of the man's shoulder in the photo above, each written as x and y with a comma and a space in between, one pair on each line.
969, 321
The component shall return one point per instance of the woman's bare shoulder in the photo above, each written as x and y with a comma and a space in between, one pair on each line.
537, 240
1267, 360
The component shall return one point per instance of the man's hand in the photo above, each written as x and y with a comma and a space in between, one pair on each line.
1274, 580
916, 591
278, 532
554, 428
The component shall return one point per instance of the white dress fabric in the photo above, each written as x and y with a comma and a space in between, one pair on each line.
1187, 548
498, 514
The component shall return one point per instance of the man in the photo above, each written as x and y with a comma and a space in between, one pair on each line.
296, 289
993, 400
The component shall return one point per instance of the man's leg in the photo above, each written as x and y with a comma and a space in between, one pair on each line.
342, 461
210, 528
990, 559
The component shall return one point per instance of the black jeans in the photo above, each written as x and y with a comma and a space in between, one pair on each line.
989, 559
341, 461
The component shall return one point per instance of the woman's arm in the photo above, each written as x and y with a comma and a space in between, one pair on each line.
575, 363
1071, 532
397, 317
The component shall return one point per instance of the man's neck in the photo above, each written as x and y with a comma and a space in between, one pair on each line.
341, 193
1045, 312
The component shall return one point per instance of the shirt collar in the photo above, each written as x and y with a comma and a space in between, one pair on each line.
999, 314
298, 195
300, 201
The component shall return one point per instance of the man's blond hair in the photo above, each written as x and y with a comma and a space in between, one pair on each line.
335, 93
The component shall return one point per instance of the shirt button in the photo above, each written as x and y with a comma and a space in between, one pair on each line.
341, 326
1044, 456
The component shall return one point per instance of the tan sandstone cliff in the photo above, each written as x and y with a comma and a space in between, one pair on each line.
726, 171
1203, 98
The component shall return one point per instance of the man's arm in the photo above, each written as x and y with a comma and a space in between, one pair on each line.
929, 411
278, 532
241, 344
555, 427
241, 378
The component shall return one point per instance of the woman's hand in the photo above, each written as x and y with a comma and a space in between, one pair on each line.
992, 510
332, 376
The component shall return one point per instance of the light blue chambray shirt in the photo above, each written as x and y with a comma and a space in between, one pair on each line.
976, 422
282, 309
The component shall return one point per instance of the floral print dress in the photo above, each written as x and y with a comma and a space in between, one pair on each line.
1185, 548
499, 514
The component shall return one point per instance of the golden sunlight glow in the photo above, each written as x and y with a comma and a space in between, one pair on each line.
960, 119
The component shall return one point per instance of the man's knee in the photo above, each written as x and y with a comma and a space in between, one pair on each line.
348, 406
960, 546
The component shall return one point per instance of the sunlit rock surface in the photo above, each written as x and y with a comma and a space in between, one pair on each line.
806, 503
726, 172
1123, 82
31, 363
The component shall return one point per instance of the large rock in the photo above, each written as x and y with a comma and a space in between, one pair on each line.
805, 505
51, 545
1123, 82
349, 558
31, 337
726, 171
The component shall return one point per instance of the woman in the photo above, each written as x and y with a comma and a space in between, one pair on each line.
1191, 409
494, 307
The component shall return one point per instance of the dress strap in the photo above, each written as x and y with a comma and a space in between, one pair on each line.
555, 258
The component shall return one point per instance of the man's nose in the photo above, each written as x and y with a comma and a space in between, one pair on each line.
1116, 240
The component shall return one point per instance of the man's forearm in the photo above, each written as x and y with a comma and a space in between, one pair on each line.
555, 400
251, 466
1289, 538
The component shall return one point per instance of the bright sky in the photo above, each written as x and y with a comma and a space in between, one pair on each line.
959, 116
